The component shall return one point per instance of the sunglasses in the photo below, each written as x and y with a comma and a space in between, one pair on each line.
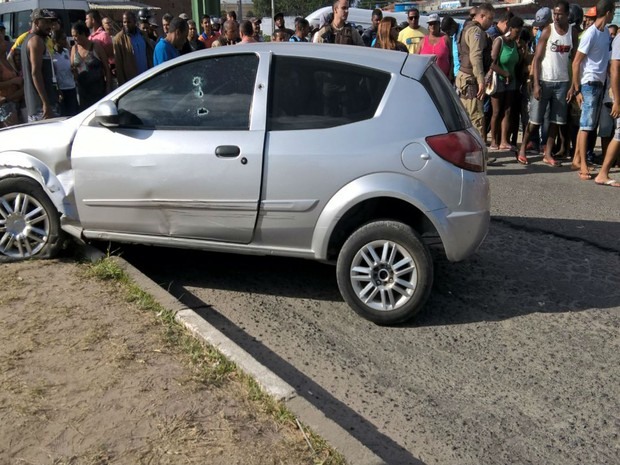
411, 18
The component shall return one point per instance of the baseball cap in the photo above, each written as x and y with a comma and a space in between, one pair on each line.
255, 21
432, 18
184, 16
42, 13
591, 13
543, 17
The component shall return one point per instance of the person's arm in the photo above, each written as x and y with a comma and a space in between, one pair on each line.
120, 60
614, 72
574, 90
11, 82
476, 45
539, 56
495, 53
448, 40
100, 51
36, 46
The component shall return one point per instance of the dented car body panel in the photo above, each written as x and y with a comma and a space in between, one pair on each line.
183, 172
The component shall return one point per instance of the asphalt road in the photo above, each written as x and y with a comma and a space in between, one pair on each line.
515, 358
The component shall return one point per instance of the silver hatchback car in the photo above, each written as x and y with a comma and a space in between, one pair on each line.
349, 155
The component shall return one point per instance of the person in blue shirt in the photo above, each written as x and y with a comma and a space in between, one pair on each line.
168, 47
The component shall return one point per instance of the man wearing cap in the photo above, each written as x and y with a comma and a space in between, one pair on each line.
475, 58
339, 31
278, 20
542, 19
257, 33
132, 50
589, 18
589, 76
40, 90
413, 34
551, 80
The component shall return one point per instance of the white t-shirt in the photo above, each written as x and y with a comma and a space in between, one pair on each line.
595, 45
62, 69
615, 55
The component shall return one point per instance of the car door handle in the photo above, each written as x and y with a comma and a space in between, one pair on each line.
228, 151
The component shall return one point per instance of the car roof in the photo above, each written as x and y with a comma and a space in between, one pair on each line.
390, 61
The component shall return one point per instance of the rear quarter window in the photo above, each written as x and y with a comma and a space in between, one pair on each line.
314, 94
443, 95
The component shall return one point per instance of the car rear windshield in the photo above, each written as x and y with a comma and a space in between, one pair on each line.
446, 100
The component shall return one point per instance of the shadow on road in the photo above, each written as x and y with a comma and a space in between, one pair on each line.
520, 269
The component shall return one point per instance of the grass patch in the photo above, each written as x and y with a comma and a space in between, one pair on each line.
210, 366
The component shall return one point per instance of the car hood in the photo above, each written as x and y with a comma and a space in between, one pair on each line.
47, 140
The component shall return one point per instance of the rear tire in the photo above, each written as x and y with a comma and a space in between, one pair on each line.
29, 221
385, 272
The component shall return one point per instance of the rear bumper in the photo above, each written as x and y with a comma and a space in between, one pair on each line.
462, 232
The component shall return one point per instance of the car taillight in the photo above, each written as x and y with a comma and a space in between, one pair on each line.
459, 148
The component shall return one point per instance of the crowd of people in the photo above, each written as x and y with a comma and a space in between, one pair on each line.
554, 80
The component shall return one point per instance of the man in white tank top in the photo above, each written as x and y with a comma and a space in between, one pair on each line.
551, 80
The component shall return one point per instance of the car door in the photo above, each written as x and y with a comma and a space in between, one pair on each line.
186, 160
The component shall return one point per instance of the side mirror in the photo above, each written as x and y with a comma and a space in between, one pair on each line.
107, 114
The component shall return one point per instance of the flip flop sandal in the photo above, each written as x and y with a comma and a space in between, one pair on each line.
512, 148
522, 159
609, 183
585, 176
552, 162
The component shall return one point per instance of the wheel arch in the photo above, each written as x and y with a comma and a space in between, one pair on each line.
377, 196
17, 164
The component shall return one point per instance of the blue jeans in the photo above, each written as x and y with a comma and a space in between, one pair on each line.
592, 93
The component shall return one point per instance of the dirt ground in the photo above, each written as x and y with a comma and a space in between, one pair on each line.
89, 378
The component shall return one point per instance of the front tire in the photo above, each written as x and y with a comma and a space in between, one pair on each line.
385, 272
29, 221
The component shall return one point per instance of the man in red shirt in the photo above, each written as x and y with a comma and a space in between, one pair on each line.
98, 34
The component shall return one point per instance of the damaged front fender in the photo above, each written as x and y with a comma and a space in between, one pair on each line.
58, 186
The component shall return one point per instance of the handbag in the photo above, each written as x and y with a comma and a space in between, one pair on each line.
490, 80
490, 83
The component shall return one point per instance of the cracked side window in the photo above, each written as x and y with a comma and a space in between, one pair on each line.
210, 93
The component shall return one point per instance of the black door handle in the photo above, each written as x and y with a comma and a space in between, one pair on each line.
228, 151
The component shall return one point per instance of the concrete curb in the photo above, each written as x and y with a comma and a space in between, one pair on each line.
353, 450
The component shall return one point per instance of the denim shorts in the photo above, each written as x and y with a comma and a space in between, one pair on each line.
553, 95
591, 107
